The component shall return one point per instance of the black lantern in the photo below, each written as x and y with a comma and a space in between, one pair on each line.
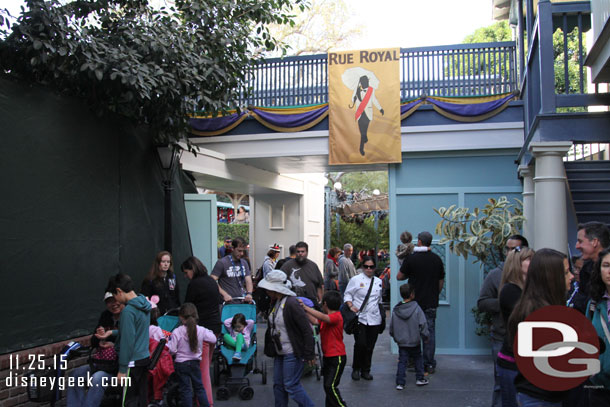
169, 157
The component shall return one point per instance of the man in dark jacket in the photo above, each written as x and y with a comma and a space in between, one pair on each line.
426, 274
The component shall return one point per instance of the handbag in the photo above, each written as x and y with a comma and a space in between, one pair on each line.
104, 359
273, 345
269, 346
350, 318
382, 313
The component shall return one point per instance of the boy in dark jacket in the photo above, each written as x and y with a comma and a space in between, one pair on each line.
408, 326
132, 340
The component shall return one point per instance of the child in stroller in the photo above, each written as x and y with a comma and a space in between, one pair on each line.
239, 328
239, 331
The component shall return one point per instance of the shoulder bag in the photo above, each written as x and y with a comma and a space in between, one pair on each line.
350, 318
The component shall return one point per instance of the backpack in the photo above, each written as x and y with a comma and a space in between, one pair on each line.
258, 276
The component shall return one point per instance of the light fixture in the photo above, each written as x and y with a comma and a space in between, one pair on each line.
167, 154
337, 186
376, 191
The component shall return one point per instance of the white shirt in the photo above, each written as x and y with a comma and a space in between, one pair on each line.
355, 292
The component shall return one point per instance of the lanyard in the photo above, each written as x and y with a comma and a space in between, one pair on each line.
569, 302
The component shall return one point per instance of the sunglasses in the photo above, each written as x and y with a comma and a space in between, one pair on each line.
366, 266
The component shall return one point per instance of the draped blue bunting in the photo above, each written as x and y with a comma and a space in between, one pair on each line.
300, 118
211, 126
472, 111
290, 122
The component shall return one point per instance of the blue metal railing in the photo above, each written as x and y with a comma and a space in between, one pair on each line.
452, 70
554, 80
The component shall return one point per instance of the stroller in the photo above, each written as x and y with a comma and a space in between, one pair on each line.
229, 373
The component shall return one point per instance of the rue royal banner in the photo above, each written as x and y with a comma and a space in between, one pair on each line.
364, 107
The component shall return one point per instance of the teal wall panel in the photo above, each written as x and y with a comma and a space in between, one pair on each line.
426, 181
201, 216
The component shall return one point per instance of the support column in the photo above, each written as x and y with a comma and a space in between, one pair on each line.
550, 217
529, 203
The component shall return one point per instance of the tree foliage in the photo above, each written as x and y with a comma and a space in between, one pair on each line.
361, 235
497, 32
573, 65
316, 29
361, 180
500, 31
154, 66
481, 233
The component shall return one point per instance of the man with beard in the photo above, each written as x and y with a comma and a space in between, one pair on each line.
304, 275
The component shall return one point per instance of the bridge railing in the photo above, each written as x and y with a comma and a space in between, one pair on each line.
452, 70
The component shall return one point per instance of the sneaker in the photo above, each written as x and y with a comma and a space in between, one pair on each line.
421, 382
355, 375
430, 370
366, 376
237, 356
400, 387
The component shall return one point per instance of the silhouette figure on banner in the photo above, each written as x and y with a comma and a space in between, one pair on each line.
364, 83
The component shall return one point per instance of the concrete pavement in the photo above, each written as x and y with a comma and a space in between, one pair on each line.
459, 381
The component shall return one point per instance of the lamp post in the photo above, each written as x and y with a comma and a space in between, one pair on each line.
337, 187
169, 156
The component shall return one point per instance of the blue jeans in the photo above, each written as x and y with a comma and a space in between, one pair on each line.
528, 401
287, 370
404, 353
496, 401
189, 374
78, 396
507, 386
430, 346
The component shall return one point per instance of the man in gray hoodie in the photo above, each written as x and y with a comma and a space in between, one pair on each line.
408, 326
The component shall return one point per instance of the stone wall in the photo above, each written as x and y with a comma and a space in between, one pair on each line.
16, 395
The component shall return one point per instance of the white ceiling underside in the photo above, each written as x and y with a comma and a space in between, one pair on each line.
263, 163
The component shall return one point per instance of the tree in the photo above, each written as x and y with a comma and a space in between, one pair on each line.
316, 29
497, 32
361, 180
154, 66
361, 234
500, 31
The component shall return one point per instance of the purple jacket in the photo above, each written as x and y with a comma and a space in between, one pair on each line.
179, 343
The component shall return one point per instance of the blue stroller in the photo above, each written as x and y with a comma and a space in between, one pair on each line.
230, 373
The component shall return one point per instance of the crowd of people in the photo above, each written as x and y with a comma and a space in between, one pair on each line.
529, 280
302, 299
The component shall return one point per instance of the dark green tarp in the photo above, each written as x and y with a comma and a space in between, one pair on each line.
82, 199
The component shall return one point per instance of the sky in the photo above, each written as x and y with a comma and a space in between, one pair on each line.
403, 23
417, 23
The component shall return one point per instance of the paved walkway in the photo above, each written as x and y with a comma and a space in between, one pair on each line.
459, 381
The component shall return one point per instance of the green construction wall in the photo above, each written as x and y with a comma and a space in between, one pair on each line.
82, 200
430, 180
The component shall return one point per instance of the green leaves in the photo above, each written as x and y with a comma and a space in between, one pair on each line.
481, 233
155, 66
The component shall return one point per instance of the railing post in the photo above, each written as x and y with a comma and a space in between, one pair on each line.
521, 51
547, 66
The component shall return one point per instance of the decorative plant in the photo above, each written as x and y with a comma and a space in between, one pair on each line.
483, 320
481, 233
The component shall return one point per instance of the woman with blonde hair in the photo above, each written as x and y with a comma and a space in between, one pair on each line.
514, 274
